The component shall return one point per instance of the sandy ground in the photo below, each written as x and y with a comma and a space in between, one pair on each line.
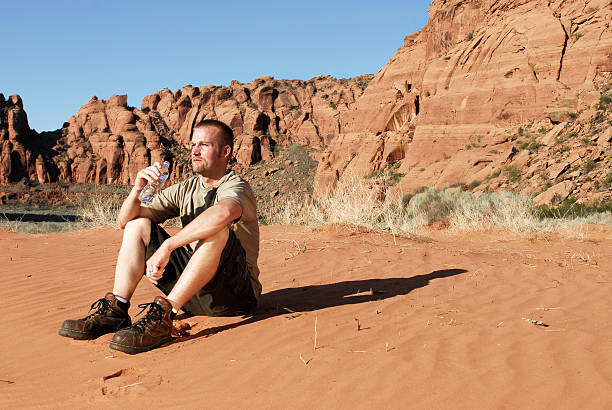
434, 322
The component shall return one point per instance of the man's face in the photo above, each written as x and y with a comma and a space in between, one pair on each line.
206, 152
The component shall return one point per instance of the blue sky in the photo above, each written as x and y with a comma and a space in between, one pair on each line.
57, 54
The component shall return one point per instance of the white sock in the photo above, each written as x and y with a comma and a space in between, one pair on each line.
119, 298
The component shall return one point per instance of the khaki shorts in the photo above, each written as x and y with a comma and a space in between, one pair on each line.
230, 291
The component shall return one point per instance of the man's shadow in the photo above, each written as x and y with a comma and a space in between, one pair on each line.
314, 297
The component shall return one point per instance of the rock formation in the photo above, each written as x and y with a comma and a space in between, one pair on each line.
477, 69
107, 142
491, 94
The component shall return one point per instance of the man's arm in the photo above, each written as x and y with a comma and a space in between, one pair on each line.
131, 207
208, 223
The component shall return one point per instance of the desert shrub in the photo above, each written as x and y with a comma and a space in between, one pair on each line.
597, 118
589, 165
357, 202
98, 211
572, 209
604, 102
433, 205
388, 175
607, 181
474, 184
532, 145
513, 174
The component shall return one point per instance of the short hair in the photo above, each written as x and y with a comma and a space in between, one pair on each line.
223, 131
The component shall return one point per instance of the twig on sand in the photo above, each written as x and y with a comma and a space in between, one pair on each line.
300, 249
304, 361
130, 385
7, 381
535, 322
315, 334
358, 324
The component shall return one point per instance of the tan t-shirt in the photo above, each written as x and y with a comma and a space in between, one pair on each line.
189, 198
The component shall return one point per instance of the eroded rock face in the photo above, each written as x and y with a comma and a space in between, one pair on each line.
475, 68
15, 160
107, 142
450, 106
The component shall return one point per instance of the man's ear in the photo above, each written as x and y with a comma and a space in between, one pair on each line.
226, 151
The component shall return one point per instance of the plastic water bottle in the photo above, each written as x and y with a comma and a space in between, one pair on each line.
149, 192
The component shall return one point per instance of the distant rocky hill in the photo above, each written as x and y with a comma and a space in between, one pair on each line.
489, 95
107, 142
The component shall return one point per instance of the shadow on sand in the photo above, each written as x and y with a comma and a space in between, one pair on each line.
315, 297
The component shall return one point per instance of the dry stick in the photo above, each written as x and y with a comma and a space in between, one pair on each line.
130, 385
315, 334
304, 361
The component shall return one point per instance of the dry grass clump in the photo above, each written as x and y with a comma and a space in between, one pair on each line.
360, 202
96, 211
364, 203
99, 211
37, 227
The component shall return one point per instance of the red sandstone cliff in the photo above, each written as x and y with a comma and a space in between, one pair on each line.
475, 70
495, 94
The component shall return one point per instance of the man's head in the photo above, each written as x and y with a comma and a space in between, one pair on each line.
212, 143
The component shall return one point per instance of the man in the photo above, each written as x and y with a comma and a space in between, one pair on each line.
209, 267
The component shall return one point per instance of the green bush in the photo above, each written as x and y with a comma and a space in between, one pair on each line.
589, 165
604, 102
571, 209
597, 118
513, 174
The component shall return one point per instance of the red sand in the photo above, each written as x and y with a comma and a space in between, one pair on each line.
434, 322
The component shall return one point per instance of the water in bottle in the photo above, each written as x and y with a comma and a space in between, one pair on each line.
151, 189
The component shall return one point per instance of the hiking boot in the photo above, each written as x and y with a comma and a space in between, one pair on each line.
151, 331
107, 318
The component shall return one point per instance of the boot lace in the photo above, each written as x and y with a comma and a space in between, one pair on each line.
155, 314
102, 305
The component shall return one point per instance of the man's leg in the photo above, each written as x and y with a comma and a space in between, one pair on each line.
131, 260
200, 270
155, 328
110, 314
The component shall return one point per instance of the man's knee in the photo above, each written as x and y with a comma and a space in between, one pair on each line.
139, 228
217, 240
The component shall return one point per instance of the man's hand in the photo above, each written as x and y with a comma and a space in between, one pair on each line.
157, 262
131, 207
149, 174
